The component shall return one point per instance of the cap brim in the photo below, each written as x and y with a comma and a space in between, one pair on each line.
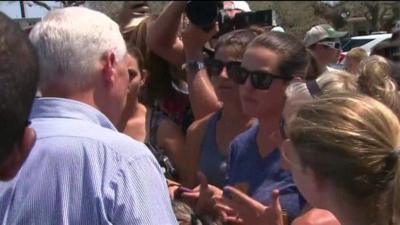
338, 34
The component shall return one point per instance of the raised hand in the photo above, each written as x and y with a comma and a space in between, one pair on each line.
242, 209
206, 195
194, 39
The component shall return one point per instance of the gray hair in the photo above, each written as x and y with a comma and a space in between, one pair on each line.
70, 43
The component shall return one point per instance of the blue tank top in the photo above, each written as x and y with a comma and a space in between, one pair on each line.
259, 176
212, 161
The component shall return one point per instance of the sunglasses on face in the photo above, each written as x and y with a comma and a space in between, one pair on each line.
261, 80
331, 44
214, 67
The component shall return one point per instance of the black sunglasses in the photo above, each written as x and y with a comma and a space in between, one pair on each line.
214, 67
261, 80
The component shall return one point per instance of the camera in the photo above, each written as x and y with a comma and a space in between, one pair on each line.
164, 162
204, 13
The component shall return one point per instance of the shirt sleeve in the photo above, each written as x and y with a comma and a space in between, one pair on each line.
139, 194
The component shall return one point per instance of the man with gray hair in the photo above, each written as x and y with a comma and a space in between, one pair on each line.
81, 169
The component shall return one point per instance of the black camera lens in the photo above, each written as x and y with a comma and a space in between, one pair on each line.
203, 13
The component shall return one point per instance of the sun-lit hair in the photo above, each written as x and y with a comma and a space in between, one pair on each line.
357, 53
376, 80
352, 140
330, 82
70, 43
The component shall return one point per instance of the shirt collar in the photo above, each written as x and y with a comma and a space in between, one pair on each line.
68, 108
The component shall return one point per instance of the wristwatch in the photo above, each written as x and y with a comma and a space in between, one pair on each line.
193, 66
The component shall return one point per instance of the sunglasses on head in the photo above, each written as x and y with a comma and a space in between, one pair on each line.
331, 44
214, 67
261, 80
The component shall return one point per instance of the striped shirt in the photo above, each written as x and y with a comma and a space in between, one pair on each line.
81, 170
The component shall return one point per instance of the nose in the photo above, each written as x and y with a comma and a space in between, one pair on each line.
247, 84
224, 73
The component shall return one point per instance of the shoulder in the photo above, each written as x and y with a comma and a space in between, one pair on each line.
246, 136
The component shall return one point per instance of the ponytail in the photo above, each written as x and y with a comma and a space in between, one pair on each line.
376, 81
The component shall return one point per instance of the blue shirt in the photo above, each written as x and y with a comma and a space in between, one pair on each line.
258, 176
81, 170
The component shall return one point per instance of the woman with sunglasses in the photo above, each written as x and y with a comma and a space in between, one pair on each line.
208, 138
271, 60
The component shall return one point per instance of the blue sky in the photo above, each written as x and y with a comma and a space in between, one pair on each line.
12, 9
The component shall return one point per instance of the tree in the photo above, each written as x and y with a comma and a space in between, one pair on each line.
64, 3
110, 8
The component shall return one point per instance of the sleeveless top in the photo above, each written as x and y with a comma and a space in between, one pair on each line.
212, 162
156, 117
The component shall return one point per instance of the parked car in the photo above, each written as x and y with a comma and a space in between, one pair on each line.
367, 42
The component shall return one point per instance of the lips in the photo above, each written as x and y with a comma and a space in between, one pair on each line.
248, 99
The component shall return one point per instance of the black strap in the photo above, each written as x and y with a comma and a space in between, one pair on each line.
313, 88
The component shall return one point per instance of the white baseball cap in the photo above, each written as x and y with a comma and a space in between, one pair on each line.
240, 5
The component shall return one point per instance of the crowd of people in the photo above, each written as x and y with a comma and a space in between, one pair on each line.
152, 119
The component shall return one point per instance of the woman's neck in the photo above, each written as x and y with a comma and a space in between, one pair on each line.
231, 123
130, 111
234, 116
268, 137
354, 214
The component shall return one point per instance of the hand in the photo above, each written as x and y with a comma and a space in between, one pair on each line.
241, 209
194, 39
205, 195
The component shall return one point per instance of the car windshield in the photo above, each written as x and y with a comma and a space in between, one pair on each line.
355, 43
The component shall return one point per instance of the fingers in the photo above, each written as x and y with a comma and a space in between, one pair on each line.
276, 205
233, 220
240, 197
214, 30
190, 195
202, 180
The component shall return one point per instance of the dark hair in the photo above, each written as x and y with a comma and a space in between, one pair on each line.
238, 40
158, 84
19, 74
137, 54
294, 57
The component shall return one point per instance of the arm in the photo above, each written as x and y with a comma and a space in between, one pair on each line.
194, 138
202, 95
239, 208
162, 34
172, 140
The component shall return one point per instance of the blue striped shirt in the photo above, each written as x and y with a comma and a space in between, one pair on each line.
83, 171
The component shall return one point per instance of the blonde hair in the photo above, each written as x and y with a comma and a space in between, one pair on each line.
357, 53
375, 80
352, 140
329, 82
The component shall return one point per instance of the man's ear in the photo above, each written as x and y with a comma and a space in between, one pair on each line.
108, 62
10, 167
